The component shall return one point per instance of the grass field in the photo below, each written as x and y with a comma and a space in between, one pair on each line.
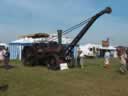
93, 80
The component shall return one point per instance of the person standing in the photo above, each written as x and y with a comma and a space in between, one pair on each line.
82, 60
3, 87
107, 59
6, 57
79, 51
127, 58
123, 66
2, 52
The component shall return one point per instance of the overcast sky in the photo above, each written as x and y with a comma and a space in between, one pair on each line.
19, 17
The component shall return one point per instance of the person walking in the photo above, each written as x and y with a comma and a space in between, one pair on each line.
107, 59
123, 66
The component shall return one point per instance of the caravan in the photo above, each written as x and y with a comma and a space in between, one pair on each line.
89, 50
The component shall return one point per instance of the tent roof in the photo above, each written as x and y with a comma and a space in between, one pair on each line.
23, 40
29, 41
107, 48
3, 44
89, 45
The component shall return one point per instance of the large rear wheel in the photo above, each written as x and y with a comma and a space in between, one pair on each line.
53, 62
28, 56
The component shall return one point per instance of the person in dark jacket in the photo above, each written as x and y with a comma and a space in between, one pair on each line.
6, 57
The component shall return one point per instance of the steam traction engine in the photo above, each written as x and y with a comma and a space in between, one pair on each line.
52, 54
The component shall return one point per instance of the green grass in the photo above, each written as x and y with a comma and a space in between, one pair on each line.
92, 80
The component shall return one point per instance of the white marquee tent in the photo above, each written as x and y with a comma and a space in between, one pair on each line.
86, 48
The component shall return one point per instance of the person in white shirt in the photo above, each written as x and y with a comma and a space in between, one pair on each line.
107, 59
123, 66
82, 60
79, 51
2, 52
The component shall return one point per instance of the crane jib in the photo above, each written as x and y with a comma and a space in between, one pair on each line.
85, 28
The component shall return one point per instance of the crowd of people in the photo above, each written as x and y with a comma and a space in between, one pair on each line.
122, 55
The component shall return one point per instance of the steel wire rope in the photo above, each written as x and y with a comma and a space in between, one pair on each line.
67, 31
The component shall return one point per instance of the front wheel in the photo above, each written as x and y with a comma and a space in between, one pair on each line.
70, 61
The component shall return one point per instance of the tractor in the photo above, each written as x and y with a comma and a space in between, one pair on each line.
52, 54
